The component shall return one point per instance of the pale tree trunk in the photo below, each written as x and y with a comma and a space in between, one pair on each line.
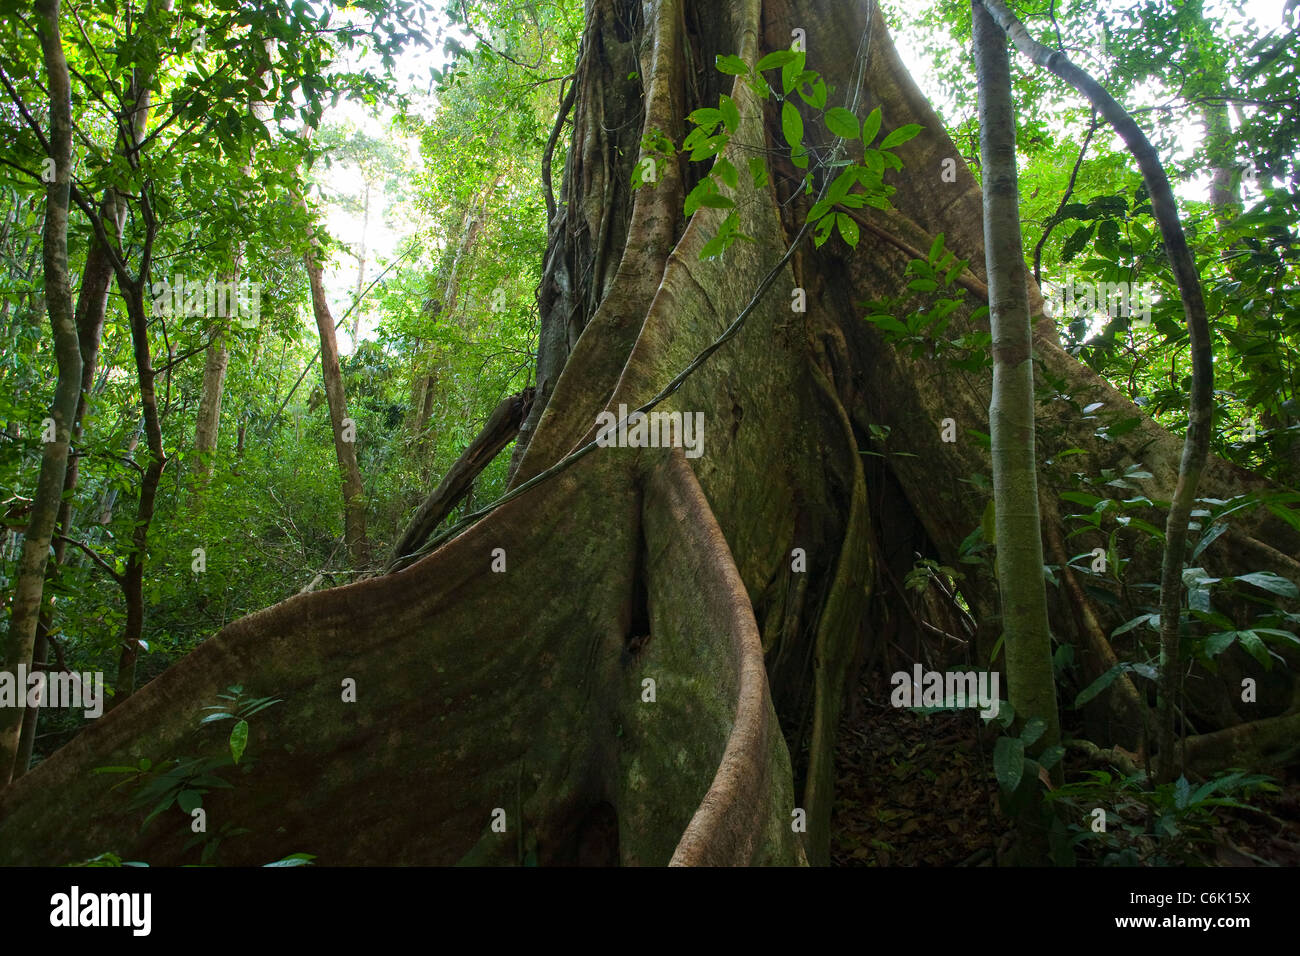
208, 425
209, 415
30, 580
345, 449
1025, 627
641, 658
361, 267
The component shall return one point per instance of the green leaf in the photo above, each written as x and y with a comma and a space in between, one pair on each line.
1009, 762
1097, 686
936, 250
758, 172
707, 117
293, 859
791, 124
871, 126
1051, 756
732, 65
848, 229
1269, 581
723, 169
730, 113
775, 59
790, 71
816, 98
1274, 633
238, 740
901, 135
1209, 538
842, 122
1080, 498
1250, 641
1033, 729
189, 800
1151, 619
1216, 644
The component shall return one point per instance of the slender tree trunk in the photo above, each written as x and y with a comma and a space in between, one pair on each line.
209, 415
1200, 413
132, 582
361, 267
29, 585
1025, 627
345, 449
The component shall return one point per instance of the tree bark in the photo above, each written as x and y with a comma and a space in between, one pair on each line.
132, 581
1025, 628
30, 579
345, 449
209, 415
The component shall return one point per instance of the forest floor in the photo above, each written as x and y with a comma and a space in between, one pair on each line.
912, 789
917, 789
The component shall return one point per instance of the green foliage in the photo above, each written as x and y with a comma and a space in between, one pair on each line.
932, 282
182, 782
1172, 824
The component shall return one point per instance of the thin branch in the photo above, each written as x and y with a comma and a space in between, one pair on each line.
1055, 219
94, 556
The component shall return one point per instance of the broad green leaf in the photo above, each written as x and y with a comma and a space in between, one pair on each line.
775, 59
730, 113
723, 169
1216, 644
238, 740
901, 135
1009, 762
791, 124
1097, 686
1269, 581
1250, 641
1033, 729
848, 229
732, 65
841, 122
706, 116
871, 126
790, 71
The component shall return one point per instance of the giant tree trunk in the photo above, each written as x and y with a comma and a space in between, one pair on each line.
510, 670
